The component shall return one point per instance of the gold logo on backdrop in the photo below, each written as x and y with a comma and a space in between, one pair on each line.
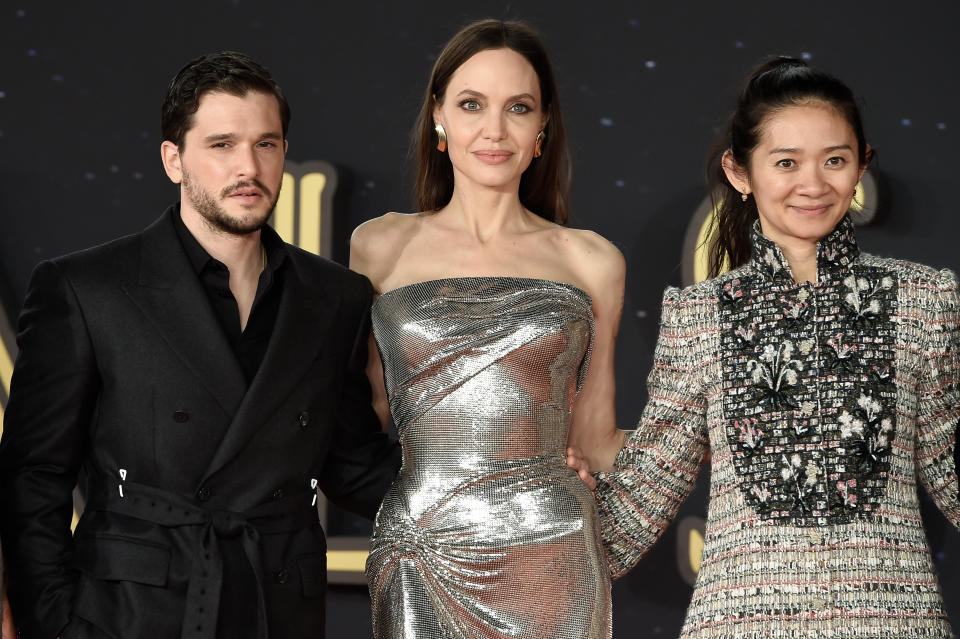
304, 212
8, 353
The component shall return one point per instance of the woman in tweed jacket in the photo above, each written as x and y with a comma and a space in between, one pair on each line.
824, 381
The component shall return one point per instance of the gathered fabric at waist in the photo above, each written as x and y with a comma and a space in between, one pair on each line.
535, 498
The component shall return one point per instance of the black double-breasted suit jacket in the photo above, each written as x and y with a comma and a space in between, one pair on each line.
191, 474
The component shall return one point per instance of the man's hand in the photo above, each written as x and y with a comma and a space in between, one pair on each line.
578, 462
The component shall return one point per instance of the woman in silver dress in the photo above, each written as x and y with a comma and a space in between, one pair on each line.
824, 381
495, 324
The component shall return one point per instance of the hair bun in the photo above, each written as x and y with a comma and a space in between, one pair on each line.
779, 64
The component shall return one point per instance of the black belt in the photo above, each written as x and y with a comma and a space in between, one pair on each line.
287, 514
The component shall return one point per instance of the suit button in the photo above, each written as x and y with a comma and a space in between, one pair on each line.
203, 494
303, 418
278, 493
281, 577
181, 416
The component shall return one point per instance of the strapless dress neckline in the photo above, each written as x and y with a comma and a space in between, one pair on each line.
573, 288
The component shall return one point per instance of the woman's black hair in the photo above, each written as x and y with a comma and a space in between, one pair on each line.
776, 84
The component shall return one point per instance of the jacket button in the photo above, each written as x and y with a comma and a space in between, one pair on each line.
181, 416
203, 494
281, 577
278, 493
303, 418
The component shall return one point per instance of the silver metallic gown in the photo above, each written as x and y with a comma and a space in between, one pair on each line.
486, 533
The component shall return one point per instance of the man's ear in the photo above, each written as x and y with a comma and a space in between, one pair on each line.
736, 174
170, 156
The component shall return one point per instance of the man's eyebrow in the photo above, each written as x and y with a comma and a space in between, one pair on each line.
219, 137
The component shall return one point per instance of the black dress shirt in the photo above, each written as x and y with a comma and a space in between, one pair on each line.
237, 614
249, 344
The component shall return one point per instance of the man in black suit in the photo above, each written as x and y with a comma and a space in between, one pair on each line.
207, 378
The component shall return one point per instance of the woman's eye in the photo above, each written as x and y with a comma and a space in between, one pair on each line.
786, 164
519, 107
836, 161
470, 105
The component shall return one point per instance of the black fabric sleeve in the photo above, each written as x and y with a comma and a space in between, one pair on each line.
363, 459
52, 397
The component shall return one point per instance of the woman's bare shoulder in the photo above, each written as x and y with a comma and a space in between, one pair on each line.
384, 229
593, 256
379, 241
592, 261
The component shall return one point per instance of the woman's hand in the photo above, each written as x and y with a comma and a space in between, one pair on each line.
579, 463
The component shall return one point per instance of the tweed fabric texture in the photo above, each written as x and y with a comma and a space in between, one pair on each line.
822, 405
486, 533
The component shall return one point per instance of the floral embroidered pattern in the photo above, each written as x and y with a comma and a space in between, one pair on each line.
750, 436
863, 295
869, 428
731, 293
805, 455
775, 372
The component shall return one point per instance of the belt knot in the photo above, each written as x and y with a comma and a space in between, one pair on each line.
226, 524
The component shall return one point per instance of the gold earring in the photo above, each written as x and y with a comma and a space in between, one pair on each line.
441, 138
538, 147
743, 196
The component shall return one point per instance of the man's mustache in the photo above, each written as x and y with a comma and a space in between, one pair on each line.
230, 190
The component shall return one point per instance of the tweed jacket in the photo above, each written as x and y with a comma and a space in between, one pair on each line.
822, 404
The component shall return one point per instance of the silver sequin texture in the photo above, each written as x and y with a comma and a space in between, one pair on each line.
486, 533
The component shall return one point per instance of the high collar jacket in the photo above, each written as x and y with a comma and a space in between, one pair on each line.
823, 404
192, 476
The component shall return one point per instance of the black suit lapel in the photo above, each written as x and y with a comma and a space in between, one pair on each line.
172, 298
302, 323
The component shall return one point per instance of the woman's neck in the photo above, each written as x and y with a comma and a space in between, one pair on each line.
485, 213
802, 258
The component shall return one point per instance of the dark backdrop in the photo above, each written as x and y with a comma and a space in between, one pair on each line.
644, 87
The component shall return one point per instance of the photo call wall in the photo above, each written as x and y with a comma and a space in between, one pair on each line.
644, 88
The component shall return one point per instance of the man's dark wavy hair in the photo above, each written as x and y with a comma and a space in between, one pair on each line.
226, 71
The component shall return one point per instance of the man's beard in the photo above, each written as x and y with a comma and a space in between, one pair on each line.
215, 215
